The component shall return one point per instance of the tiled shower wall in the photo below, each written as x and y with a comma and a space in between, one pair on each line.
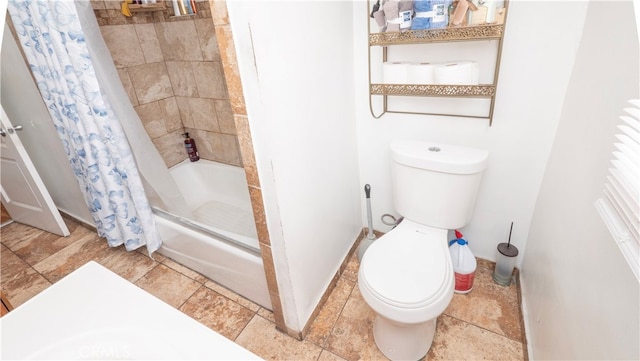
171, 69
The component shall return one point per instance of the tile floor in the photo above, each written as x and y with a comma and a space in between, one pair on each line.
484, 324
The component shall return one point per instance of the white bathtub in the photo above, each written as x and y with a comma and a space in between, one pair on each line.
217, 194
87, 326
220, 241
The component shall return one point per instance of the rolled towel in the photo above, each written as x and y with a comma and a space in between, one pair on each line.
375, 8
380, 18
398, 14
431, 14
405, 10
391, 14
422, 20
440, 9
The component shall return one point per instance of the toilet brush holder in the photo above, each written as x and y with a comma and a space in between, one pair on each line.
505, 263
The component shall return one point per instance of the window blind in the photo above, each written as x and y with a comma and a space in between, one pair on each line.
620, 205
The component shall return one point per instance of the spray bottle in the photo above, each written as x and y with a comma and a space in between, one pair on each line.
190, 145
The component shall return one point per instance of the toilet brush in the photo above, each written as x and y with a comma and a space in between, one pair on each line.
366, 242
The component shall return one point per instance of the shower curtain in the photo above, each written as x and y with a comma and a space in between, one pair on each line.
54, 44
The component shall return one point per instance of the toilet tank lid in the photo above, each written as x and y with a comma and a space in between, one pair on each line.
439, 157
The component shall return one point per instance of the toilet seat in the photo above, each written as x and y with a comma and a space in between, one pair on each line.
406, 275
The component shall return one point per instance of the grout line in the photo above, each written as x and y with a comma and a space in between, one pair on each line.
325, 341
255, 314
190, 297
482, 328
29, 264
35, 270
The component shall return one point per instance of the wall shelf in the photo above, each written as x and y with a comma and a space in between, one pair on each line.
428, 90
387, 40
461, 33
137, 8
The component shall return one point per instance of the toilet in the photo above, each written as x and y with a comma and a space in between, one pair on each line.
406, 276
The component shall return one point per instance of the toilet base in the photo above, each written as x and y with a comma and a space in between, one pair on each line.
403, 341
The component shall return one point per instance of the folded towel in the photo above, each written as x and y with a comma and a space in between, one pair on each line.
375, 8
379, 16
440, 10
398, 14
431, 14
391, 14
423, 15
405, 10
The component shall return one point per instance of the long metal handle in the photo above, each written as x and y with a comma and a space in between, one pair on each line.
367, 191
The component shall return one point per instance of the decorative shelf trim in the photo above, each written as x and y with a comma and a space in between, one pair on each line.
480, 91
438, 35
135, 8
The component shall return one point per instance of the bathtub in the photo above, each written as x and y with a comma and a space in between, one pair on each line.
219, 240
142, 328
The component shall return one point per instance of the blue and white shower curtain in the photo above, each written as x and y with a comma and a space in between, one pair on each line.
93, 139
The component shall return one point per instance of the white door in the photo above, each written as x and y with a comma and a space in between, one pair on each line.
23, 193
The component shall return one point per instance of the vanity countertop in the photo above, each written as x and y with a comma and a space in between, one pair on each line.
93, 313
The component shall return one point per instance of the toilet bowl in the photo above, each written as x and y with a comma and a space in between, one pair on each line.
407, 278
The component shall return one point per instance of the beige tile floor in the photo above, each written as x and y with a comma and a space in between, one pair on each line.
484, 324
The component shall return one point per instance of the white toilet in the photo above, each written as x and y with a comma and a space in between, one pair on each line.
406, 276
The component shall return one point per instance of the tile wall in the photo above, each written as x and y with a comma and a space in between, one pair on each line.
172, 72
165, 38
224, 36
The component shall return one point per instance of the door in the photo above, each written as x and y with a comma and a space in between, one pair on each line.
23, 192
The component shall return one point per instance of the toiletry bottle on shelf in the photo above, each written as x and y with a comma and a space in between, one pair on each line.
190, 145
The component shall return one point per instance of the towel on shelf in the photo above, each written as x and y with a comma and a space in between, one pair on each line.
398, 14
431, 14
440, 18
391, 14
379, 16
422, 20
406, 12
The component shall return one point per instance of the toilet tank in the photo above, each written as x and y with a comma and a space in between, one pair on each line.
436, 184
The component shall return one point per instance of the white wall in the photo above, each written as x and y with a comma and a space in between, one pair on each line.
296, 64
302, 124
540, 42
582, 300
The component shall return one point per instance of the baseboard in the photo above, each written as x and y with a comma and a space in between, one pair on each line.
524, 312
73, 218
